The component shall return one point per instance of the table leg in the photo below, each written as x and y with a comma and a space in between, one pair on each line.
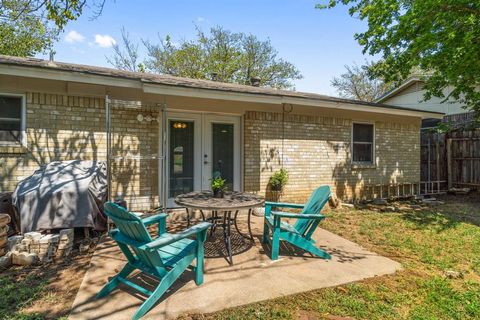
248, 222
226, 235
188, 217
214, 218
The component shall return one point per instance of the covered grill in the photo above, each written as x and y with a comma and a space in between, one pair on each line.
63, 194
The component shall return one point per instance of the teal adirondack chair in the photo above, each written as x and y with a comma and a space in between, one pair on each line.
299, 234
165, 257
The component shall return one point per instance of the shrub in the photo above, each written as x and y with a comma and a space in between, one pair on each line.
278, 180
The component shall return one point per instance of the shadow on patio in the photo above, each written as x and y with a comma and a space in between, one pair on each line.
253, 276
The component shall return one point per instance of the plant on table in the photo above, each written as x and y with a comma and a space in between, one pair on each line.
218, 187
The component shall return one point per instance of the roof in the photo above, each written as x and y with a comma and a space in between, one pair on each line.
407, 83
180, 82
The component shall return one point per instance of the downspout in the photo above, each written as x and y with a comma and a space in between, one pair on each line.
109, 142
162, 159
285, 111
164, 154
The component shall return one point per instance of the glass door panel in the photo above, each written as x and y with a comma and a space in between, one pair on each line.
181, 157
223, 152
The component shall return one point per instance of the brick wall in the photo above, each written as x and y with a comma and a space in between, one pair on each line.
316, 151
63, 127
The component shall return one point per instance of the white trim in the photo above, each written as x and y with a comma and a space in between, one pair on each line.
262, 98
395, 90
23, 120
201, 134
360, 163
156, 88
69, 76
210, 94
242, 152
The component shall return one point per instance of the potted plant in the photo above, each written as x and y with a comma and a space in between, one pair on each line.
277, 182
218, 187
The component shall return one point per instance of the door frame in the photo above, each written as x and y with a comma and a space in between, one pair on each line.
197, 149
202, 133
207, 147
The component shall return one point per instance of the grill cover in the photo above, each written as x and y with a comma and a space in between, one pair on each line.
63, 194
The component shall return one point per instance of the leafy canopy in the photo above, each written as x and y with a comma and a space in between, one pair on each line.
440, 37
221, 55
31, 26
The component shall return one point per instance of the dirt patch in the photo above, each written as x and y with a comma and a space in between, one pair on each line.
42, 292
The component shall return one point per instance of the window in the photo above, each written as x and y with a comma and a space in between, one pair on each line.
362, 143
12, 120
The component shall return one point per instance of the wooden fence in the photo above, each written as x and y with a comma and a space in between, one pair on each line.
463, 158
449, 160
433, 163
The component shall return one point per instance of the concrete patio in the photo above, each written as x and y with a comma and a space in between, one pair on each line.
252, 278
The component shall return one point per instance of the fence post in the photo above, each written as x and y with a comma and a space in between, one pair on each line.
449, 163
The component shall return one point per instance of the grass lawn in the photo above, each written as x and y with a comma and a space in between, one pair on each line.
428, 243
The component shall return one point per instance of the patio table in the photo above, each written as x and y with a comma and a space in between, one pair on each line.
231, 202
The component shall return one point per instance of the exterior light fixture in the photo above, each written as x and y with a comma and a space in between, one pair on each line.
179, 125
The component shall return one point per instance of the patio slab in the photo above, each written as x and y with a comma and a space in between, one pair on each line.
252, 278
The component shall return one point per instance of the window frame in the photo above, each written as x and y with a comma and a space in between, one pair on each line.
364, 163
23, 120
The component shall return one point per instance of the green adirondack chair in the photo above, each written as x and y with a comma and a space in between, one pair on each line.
165, 257
299, 234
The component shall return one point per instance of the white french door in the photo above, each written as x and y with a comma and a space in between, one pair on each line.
221, 150
201, 146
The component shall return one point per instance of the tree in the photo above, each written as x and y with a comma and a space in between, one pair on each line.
437, 36
356, 83
31, 26
23, 34
125, 56
223, 55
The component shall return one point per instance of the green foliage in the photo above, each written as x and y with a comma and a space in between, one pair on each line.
31, 26
356, 83
437, 36
23, 34
222, 55
419, 291
278, 180
443, 127
218, 184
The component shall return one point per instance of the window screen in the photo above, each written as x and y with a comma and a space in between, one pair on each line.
362, 143
10, 119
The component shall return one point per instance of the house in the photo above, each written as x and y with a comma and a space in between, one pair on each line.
61, 111
410, 94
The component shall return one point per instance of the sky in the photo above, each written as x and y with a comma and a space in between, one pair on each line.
318, 42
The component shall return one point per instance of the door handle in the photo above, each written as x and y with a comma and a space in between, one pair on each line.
206, 162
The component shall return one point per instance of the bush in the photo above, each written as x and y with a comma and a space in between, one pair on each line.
278, 180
